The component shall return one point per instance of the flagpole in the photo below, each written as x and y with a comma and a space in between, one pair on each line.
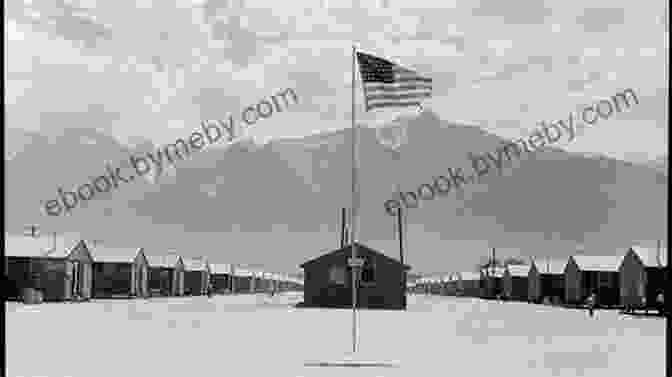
353, 214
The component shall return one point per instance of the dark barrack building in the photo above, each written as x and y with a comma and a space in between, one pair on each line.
166, 275
585, 274
642, 276
196, 276
119, 272
60, 268
328, 280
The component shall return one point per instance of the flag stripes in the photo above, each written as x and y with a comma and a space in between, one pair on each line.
396, 88
392, 104
389, 85
398, 96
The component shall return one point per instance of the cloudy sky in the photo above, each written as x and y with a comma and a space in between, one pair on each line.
154, 69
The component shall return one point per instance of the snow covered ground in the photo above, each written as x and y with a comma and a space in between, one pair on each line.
254, 335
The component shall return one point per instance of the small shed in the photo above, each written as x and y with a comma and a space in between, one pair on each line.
221, 277
514, 282
264, 281
120, 272
196, 276
449, 285
469, 284
642, 276
60, 267
328, 280
274, 281
166, 275
284, 283
587, 273
436, 285
260, 283
546, 279
243, 280
491, 281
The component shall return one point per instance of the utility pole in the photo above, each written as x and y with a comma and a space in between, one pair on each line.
401, 235
492, 275
401, 252
31, 271
666, 297
494, 260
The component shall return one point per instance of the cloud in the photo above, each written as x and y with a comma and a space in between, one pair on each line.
523, 12
202, 59
600, 19
582, 84
62, 19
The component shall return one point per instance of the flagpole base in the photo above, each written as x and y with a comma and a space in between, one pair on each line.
352, 360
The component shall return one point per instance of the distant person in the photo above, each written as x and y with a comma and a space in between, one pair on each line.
209, 290
591, 302
660, 302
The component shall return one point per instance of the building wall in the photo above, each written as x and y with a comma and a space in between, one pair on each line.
459, 287
55, 284
579, 284
242, 284
492, 285
533, 283
435, 288
162, 279
573, 283
656, 280
205, 280
79, 277
19, 275
47, 275
518, 288
607, 285
194, 282
450, 288
221, 282
471, 288
507, 284
113, 279
80, 256
252, 281
140, 275
387, 292
68, 281
633, 280
179, 280
87, 282
552, 286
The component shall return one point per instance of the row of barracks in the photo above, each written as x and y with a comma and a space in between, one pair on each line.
632, 279
62, 269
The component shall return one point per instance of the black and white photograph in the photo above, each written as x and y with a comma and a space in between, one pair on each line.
336, 188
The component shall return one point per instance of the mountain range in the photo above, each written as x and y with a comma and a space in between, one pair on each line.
278, 204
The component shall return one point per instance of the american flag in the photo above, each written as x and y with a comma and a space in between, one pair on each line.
387, 84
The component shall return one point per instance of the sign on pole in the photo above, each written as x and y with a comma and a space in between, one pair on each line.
356, 262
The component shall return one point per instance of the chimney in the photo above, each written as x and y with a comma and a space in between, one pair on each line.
346, 228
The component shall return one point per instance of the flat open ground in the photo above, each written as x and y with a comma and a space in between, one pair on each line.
253, 335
